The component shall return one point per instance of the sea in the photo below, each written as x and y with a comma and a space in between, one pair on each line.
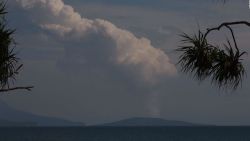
125, 134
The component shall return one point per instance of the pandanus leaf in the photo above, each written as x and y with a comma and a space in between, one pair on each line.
204, 60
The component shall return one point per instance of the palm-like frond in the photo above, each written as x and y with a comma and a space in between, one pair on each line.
204, 60
197, 56
228, 70
8, 59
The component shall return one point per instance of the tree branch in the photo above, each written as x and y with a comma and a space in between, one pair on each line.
226, 24
232, 33
17, 88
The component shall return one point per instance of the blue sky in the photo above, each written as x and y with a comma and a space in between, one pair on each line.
82, 75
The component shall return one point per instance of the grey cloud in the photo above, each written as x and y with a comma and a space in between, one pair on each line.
126, 50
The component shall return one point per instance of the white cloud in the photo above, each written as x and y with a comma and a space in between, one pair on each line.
128, 51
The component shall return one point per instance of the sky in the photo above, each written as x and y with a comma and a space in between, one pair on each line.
97, 61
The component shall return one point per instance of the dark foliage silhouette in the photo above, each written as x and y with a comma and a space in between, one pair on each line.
9, 63
204, 60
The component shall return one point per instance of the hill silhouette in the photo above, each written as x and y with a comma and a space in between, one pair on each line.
12, 117
142, 121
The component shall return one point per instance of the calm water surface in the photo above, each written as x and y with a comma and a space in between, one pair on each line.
126, 134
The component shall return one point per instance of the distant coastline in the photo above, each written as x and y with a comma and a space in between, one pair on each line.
11, 117
147, 122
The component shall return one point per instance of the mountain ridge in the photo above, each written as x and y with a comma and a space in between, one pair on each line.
12, 117
147, 121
